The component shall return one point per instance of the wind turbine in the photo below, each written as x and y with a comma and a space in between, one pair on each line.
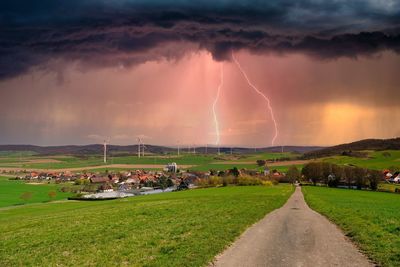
138, 144
105, 150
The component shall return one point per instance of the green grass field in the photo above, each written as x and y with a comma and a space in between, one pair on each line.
11, 191
375, 160
173, 229
378, 160
200, 162
371, 219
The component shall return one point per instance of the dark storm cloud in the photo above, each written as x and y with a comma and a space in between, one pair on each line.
103, 33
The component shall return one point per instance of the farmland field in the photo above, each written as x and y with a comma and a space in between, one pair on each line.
172, 229
201, 162
11, 192
371, 219
378, 160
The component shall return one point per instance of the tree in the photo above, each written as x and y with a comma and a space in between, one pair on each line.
261, 162
374, 178
333, 181
163, 182
213, 172
313, 171
26, 196
234, 171
337, 174
293, 174
349, 175
359, 175
326, 171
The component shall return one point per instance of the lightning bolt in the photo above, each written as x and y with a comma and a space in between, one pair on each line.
221, 83
261, 94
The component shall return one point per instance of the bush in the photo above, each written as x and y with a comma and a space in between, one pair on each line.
202, 183
248, 180
234, 171
214, 181
267, 183
64, 189
81, 181
261, 162
374, 179
229, 180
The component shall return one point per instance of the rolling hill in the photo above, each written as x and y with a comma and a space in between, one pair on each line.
116, 149
354, 147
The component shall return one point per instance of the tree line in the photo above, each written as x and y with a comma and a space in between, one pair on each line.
334, 175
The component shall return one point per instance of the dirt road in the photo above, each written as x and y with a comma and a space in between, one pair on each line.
293, 235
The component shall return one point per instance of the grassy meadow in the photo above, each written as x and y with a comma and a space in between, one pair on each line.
377, 160
11, 191
200, 162
173, 229
371, 219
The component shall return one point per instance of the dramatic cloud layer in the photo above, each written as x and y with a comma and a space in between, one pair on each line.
315, 102
127, 32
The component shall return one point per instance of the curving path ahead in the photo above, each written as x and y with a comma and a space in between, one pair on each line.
293, 235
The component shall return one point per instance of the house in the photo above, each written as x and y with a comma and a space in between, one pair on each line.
189, 178
106, 188
134, 180
395, 178
97, 180
34, 175
387, 174
113, 178
124, 187
171, 167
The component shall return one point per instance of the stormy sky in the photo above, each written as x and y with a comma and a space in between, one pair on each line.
76, 72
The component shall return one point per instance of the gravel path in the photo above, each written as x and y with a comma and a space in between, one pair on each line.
293, 235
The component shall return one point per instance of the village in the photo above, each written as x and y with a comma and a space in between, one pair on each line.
114, 184
111, 185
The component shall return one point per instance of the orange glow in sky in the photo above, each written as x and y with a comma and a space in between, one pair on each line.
315, 102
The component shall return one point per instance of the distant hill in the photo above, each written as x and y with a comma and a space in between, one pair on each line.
132, 149
351, 148
83, 149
